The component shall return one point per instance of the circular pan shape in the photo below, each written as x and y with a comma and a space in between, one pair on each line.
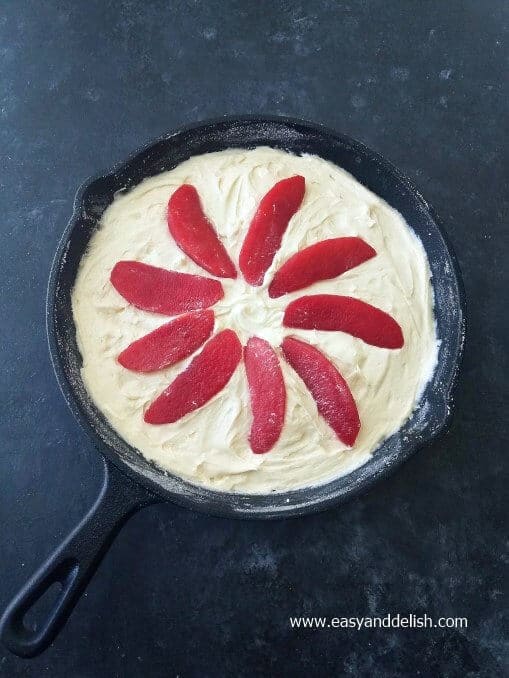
430, 418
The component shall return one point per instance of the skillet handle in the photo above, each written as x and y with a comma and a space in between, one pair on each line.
72, 564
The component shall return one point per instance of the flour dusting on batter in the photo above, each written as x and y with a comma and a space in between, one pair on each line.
210, 446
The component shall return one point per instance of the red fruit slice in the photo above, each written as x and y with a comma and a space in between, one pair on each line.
162, 291
344, 314
205, 376
330, 391
327, 259
195, 235
169, 343
268, 394
267, 228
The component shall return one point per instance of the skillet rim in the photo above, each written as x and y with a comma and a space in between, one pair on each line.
282, 504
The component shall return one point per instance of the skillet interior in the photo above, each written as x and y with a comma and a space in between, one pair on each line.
433, 412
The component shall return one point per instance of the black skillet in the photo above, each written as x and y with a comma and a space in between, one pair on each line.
130, 482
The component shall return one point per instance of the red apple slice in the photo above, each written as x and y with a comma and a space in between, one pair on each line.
268, 394
330, 391
169, 343
268, 226
162, 291
195, 235
206, 375
323, 261
344, 314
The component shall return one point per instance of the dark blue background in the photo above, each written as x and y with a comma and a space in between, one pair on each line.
85, 83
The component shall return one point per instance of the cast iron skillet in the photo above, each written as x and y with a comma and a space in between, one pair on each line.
130, 482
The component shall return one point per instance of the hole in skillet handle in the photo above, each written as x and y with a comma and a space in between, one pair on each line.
70, 567
42, 608
28, 625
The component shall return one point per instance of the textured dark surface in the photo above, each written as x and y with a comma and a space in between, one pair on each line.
83, 84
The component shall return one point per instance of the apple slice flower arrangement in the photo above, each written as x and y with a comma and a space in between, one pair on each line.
188, 300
